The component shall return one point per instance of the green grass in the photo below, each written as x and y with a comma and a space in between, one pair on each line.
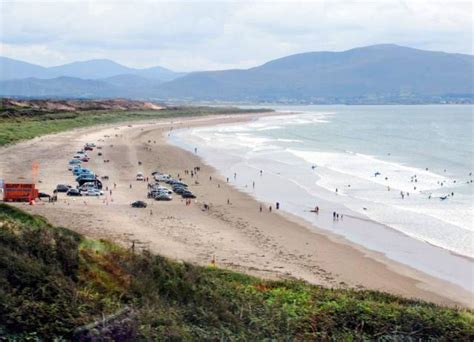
16, 125
53, 281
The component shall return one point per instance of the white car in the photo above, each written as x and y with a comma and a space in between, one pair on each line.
162, 177
140, 176
94, 192
162, 189
87, 186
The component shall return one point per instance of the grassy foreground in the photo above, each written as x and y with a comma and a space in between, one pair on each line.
20, 124
54, 281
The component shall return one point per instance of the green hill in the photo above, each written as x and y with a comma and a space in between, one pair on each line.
55, 283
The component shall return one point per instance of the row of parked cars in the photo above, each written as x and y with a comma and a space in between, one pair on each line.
177, 186
88, 183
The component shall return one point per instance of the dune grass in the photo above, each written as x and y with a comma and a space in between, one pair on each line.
17, 125
53, 281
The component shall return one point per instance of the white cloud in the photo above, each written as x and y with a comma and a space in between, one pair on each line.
196, 35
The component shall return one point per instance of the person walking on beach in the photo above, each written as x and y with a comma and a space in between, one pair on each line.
235, 175
261, 208
334, 216
316, 210
253, 185
277, 205
270, 208
261, 172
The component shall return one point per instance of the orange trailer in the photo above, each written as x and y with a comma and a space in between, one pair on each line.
15, 192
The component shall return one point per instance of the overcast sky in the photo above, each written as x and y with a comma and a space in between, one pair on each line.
199, 35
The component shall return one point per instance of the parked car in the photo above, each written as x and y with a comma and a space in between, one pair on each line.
43, 195
162, 189
86, 187
140, 176
74, 161
162, 197
86, 178
80, 170
93, 192
161, 177
63, 187
73, 192
176, 182
188, 194
179, 190
88, 148
85, 159
154, 193
95, 181
86, 175
138, 204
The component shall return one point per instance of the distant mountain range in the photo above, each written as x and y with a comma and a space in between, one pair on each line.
373, 74
11, 69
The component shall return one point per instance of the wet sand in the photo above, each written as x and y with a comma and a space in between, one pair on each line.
237, 235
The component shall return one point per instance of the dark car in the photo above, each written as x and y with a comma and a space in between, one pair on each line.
73, 192
62, 188
138, 204
188, 194
176, 182
179, 190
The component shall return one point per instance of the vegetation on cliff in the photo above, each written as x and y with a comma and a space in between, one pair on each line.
55, 283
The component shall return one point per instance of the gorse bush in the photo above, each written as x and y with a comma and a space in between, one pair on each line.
54, 281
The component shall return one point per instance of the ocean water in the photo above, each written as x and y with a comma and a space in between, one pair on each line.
357, 161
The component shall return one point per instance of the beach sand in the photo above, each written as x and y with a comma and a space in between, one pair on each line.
238, 236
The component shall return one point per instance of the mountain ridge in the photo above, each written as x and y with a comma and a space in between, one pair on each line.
88, 69
383, 73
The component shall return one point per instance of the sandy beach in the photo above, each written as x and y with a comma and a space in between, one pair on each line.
236, 234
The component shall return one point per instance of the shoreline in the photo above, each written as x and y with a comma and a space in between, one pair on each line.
364, 231
235, 235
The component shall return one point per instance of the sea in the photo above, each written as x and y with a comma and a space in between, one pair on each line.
400, 177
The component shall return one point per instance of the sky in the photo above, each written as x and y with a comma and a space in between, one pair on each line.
203, 35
